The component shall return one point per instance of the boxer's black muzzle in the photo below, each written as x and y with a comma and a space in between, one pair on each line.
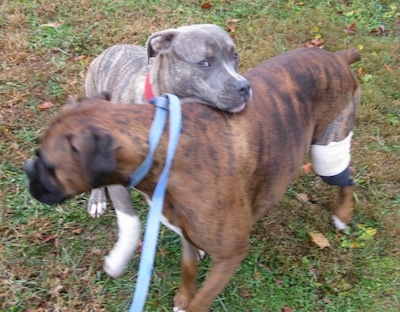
43, 184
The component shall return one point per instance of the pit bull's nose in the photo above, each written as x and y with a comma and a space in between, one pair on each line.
243, 87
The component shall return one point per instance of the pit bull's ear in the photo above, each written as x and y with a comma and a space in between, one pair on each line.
95, 149
160, 41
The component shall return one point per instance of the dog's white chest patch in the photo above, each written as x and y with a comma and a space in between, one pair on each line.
174, 228
165, 221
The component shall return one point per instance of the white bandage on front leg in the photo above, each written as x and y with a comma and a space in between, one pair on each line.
332, 159
128, 239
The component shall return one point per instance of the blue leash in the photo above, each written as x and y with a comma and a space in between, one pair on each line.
167, 102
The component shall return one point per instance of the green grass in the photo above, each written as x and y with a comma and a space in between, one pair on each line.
51, 257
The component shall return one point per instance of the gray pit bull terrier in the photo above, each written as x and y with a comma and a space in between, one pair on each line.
196, 63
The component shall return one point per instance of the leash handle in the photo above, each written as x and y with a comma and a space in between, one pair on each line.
156, 206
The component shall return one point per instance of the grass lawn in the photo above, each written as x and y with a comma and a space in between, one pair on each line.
51, 257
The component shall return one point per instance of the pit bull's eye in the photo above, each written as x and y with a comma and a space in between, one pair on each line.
204, 64
235, 56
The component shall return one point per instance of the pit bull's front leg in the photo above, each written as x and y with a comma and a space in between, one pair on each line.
97, 204
128, 232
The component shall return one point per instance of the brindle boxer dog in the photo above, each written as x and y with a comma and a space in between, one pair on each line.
197, 63
229, 169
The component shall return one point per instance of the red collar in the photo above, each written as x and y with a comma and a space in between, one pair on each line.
148, 90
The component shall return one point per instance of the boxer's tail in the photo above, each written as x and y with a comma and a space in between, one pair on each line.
350, 56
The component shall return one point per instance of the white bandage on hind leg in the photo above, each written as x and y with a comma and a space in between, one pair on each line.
128, 240
332, 159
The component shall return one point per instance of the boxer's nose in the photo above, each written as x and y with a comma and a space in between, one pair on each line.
243, 87
28, 166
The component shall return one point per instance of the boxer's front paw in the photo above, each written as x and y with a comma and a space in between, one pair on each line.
176, 309
339, 225
128, 240
97, 204
114, 265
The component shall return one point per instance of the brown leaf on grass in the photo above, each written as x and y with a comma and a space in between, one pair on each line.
389, 68
287, 309
307, 168
245, 293
49, 238
230, 24
45, 106
206, 5
78, 231
380, 31
302, 197
232, 21
319, 239
95, 251
77, 58
51, 24
316, 42
350, 29
361, 72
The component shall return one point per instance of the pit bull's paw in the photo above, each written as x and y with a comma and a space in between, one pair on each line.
201, 254
97, 204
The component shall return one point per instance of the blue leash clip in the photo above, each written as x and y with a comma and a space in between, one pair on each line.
163, 104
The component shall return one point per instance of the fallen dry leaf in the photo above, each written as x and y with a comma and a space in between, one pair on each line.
316, 42
230, 24
96, 251
302, 197
78, 231
287, 309
389, 68
51, 24
206, 5
319, 239
307, 168
45, 105
380, 31
361, 72
232, 20
49, 238
350, 29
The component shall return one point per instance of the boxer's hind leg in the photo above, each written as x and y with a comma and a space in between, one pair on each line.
128, 231
330, 154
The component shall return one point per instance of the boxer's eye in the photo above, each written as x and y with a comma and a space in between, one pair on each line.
51, 171
204, 64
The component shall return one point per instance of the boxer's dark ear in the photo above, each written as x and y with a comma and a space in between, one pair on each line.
95, 148
160, 41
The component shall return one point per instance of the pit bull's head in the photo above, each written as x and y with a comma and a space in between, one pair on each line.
200, 63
